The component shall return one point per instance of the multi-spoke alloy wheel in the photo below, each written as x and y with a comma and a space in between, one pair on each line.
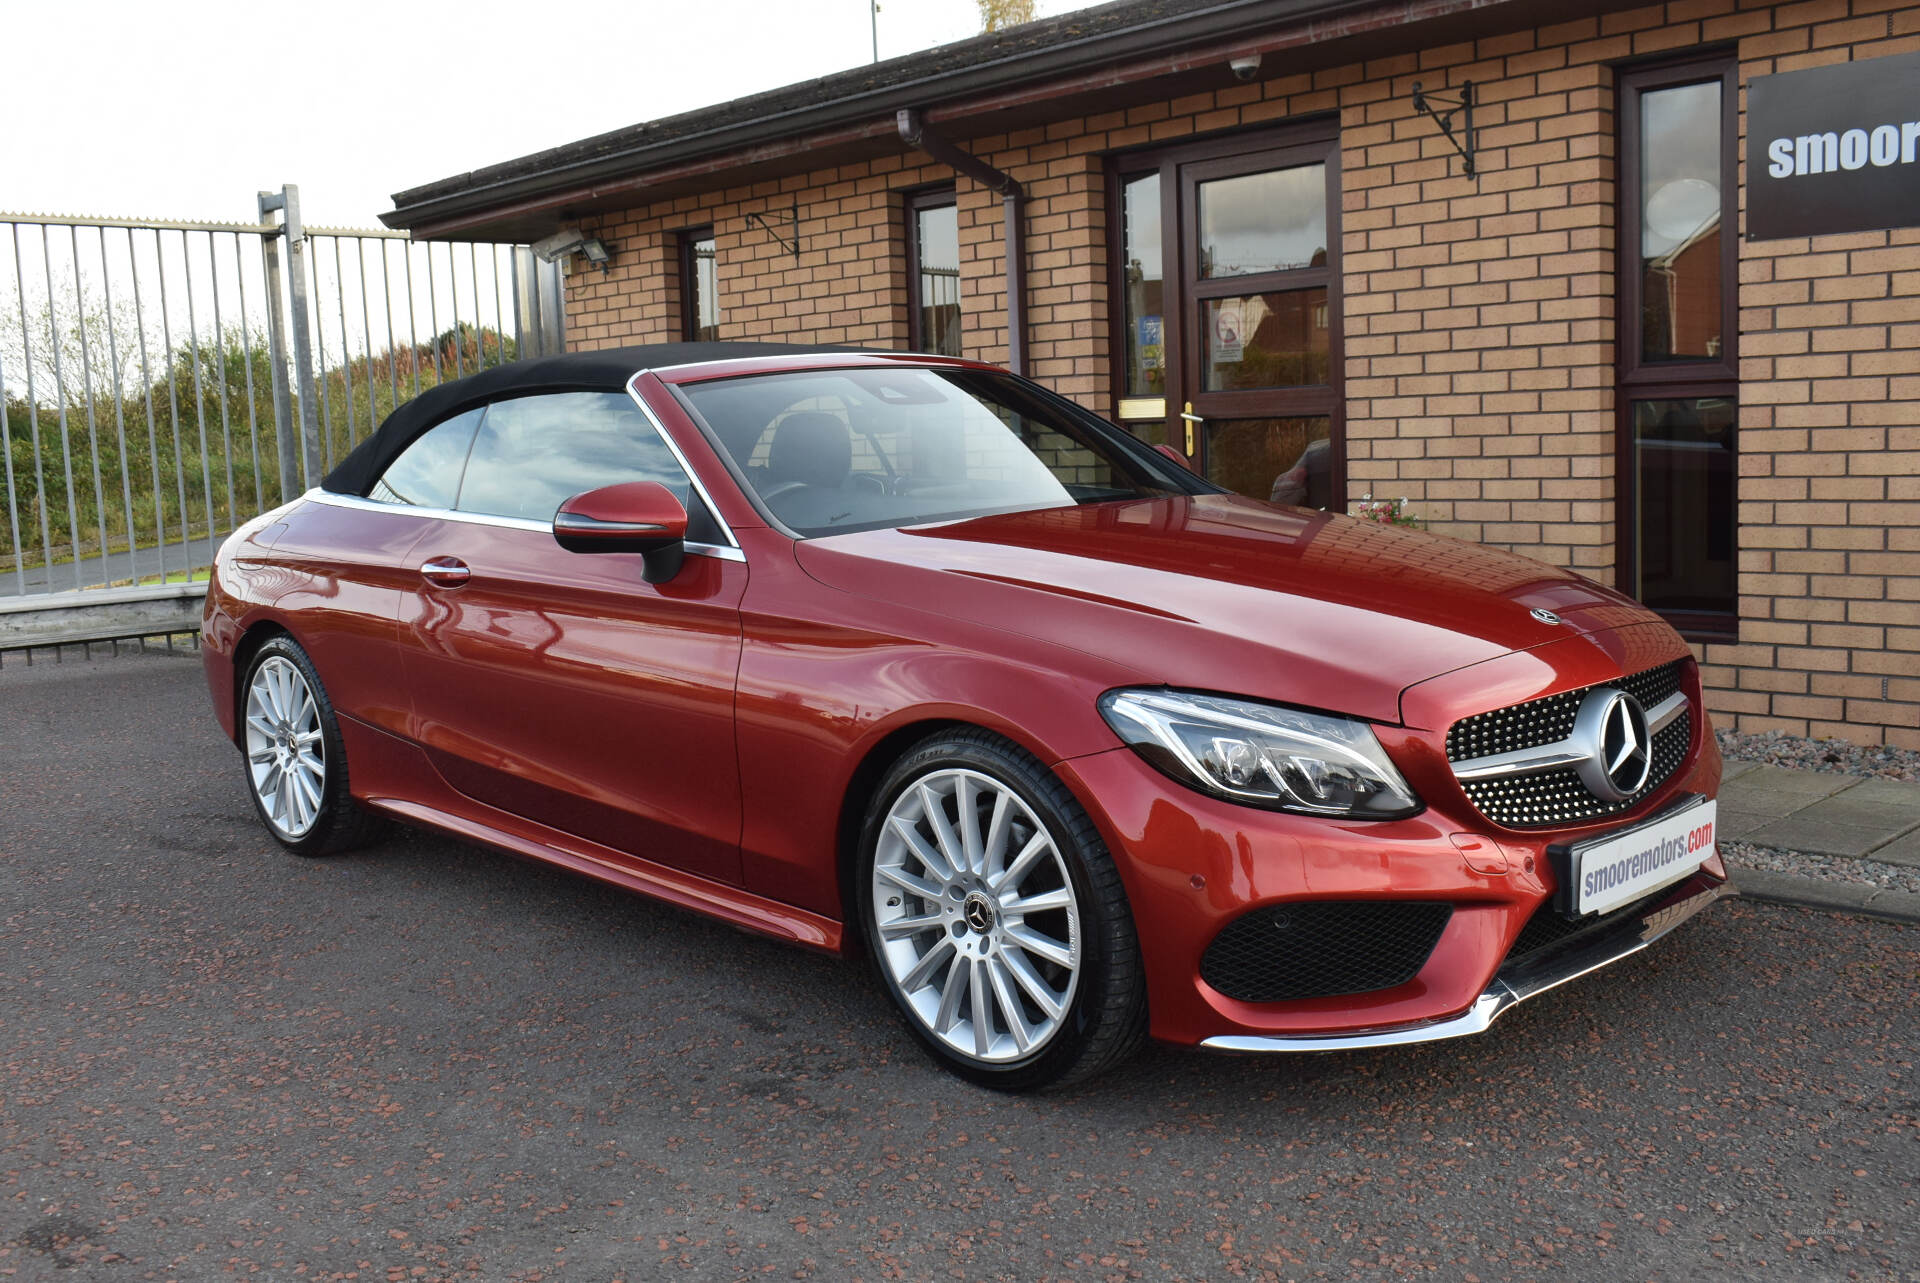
285, 753
977, 912
296, 765
996, 917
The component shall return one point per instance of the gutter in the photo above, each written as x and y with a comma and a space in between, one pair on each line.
914, 133
1108, 57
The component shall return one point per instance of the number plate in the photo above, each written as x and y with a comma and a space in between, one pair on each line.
1604, 873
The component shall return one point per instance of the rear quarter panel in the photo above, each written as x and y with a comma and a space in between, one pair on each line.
331, 578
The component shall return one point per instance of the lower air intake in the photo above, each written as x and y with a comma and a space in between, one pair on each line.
1319, 948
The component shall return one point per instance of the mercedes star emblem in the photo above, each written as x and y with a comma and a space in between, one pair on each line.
1611, 727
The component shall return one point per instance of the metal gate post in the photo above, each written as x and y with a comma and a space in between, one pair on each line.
311, 466
539, 313
288, 203
283, 429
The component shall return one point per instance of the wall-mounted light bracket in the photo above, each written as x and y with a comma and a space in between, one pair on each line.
792, 223
569, 241
1443, 110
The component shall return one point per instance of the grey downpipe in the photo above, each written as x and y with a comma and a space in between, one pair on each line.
914, 133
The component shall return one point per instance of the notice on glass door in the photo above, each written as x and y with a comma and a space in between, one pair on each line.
1228, 345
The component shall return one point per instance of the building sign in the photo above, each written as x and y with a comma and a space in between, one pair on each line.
1834, 149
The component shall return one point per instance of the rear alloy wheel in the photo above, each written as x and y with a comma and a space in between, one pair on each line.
296, 766
996, 917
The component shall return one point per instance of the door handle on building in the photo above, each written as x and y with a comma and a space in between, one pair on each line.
1191, 419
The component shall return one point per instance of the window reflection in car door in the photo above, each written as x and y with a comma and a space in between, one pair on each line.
561, 687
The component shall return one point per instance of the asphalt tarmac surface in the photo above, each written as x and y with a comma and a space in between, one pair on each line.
432, 1061
95, 569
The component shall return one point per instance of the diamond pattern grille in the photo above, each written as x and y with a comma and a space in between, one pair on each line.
1551, 798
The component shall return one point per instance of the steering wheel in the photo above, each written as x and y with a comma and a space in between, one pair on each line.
774, 491
867, 481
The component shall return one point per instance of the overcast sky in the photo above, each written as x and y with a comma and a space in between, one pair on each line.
185, 109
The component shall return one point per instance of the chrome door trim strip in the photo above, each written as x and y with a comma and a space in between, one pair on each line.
1515, 983
357, 503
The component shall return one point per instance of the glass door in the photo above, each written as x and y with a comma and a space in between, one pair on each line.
1257, 265
1229, 301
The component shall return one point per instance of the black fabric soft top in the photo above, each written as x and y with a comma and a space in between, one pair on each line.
604, 371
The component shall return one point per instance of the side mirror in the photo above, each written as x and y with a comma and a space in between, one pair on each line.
634, 516
1176, 456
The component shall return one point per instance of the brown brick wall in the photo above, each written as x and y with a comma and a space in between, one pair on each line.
1830, 450
1479, 322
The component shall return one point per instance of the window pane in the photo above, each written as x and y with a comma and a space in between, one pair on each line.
1680, 223
1685, 467
1274, 340
427, 473
937, 235
1282, 460
1269, 222
834, 451
1145, 287
706, 290
534, 453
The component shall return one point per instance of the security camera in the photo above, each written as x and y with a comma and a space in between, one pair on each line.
1246, 68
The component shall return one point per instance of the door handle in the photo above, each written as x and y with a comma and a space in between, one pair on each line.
446, 572
1191, 419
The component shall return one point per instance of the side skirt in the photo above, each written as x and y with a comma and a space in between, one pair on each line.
385, 767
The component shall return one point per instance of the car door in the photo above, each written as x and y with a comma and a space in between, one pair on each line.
562, 687
342, 563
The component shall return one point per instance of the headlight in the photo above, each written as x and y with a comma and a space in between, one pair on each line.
1262, 754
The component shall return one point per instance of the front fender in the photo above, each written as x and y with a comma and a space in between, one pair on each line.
830, 680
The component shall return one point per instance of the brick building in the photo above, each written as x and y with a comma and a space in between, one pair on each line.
1236, 206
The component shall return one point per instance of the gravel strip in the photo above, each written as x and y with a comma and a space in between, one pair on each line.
1890, 877
1833, 756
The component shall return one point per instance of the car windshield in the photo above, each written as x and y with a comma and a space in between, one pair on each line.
829, 451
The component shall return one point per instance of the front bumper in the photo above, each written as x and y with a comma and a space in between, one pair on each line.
1515, 982
1192, 865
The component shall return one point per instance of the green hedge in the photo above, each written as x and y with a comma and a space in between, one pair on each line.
192, 450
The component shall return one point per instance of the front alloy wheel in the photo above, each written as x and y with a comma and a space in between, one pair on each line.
996, 918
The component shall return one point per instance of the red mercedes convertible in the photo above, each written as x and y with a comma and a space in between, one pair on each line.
910, 657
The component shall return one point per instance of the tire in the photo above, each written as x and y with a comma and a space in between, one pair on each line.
296, 766
1029, 927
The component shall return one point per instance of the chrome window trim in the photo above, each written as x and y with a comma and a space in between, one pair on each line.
699, 486
1562, 753
728, 551
358, 503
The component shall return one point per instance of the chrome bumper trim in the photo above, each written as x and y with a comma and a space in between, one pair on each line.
1514, 984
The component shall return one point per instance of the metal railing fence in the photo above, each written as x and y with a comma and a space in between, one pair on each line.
163, 381
940, 310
